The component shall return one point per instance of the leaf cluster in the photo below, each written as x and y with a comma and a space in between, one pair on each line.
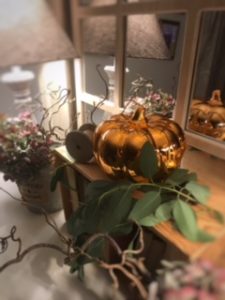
113, 208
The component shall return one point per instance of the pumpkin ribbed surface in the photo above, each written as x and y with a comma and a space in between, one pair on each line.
119, 140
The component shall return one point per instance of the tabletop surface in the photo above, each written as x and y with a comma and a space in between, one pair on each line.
42, 273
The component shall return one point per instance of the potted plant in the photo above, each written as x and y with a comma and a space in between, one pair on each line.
26, 158
155, 101
144, 93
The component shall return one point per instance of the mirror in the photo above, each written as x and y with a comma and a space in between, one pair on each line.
206, 113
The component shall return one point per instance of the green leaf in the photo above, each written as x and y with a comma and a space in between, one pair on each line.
115, 208
200, 192
218, 216
59, 173
148, 161
95, 250
204, 237
92, 217
78, 263
75, 265
96, 188
145, 206
85, 219
185, 219
104, 213
122, 229
168, 196
164, 211
149, 221
124, 205
76, 223
180, 176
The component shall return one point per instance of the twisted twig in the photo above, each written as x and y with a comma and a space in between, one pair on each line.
22, 254
50, 221
130, 266
104, 98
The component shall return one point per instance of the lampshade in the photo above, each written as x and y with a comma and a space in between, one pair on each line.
144, 36
30, 34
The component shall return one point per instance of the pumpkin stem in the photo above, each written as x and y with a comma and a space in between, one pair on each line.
139, 114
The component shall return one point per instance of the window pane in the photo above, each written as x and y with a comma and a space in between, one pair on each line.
92, 115
96, 77
99, 45
154, 47
99, 35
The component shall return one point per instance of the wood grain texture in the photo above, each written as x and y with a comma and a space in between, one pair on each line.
211, 172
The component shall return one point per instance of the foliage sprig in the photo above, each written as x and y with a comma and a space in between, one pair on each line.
112, 209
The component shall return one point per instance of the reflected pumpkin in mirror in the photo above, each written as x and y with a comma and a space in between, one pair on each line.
119, 140
209, 117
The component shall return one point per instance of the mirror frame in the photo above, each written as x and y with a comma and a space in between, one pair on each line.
190, 50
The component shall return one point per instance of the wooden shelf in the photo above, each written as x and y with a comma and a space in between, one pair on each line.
211, 172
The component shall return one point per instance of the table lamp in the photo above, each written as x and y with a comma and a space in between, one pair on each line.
29, 34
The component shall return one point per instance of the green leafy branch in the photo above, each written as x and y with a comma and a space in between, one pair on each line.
111, 210
60, 176
112, 207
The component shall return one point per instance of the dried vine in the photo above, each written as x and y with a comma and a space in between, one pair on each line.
21, 254
131, 265
106, 96
59, 96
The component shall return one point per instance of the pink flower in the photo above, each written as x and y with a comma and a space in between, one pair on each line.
25, 115
195, 271
185, 293
188, 293
25, 133
206, 265
219, 280
172, 295
204, 295
187, 278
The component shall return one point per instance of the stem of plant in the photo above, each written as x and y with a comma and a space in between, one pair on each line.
160, 187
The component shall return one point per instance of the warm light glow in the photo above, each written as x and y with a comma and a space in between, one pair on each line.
54, 75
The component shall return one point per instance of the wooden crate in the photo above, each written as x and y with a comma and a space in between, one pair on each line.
163, 241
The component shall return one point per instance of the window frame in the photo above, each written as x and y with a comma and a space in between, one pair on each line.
120, 10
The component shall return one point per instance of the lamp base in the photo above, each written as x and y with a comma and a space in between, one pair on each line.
110, 71
18, 81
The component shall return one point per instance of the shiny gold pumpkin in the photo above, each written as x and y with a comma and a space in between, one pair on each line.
119, 140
